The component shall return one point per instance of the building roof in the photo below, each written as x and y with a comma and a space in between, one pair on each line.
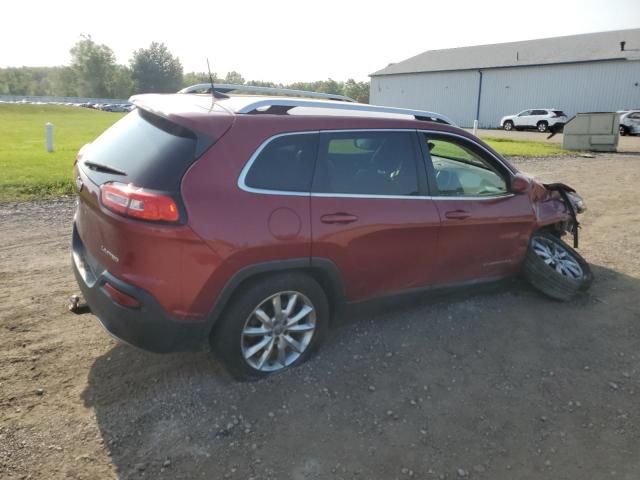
573, 48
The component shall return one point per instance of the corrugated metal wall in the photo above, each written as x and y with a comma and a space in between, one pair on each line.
585, 87
451, 93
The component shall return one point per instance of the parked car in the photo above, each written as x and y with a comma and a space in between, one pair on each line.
630, 122
242, 227
540, 119
116, 107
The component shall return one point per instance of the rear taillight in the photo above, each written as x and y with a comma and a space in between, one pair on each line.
137, 202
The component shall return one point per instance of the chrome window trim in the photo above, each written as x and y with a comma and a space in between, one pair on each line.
245, 170
370, 195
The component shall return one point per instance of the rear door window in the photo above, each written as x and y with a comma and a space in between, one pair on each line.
285, 164
539, 112
367, 163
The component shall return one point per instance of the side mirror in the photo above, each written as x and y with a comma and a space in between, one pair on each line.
520, 183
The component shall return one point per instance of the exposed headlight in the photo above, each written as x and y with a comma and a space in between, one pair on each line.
577, 201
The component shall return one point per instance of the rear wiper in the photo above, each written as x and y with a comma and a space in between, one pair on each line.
99, 167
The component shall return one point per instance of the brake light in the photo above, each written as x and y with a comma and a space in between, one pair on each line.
132, 201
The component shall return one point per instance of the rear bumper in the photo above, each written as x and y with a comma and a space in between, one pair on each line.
148, 326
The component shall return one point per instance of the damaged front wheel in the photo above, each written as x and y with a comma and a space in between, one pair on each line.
554, 268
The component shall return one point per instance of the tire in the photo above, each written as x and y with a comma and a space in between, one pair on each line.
542, 126
546, 278
623, 130
508, 125
240, 329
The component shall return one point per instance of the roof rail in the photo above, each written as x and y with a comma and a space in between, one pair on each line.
283, 105
227, 87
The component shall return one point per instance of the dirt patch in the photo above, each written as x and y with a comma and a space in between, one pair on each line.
498, 384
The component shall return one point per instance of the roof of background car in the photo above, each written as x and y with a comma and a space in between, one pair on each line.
544, 51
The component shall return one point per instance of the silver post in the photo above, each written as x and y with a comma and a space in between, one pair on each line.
48, 127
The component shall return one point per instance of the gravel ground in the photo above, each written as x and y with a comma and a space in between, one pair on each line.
498, 383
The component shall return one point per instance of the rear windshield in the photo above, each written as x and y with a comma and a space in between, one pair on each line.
150, 151
559, 113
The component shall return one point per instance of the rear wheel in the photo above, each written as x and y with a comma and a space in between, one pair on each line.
508, 125
554, 268
542, 126
274, 324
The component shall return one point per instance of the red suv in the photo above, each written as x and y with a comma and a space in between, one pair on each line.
242, 222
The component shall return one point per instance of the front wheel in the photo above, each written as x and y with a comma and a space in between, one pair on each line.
623, 130
508, 125
274, 324
554, 268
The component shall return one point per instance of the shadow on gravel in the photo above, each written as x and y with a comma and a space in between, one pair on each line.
496, 384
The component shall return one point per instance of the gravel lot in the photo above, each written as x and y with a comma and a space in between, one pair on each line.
498, 383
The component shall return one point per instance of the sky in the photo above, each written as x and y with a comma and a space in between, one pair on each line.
286, 41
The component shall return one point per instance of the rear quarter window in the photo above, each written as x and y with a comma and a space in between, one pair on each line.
285, 164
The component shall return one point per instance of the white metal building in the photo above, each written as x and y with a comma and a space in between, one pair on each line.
577, 73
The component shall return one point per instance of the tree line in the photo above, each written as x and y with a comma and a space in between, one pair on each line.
93, 72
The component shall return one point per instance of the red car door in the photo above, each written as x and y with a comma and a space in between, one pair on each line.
369, 214
485, 228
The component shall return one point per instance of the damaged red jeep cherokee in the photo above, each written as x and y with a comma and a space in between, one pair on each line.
242, 222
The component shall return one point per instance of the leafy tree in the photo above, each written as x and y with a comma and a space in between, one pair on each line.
356, 90
155, 70
63, 82
14, 81
262, 83
194, 78
94, 66
235, 78
122, 85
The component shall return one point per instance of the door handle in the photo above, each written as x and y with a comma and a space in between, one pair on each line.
339, 218
457, 214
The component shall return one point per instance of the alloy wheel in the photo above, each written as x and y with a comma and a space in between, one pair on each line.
278, 331
557, 258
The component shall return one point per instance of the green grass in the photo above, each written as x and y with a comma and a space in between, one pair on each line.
517, 148
28, 170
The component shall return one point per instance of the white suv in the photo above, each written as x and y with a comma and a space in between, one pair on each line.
540, 119
630, 122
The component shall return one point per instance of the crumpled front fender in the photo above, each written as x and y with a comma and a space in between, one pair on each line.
548, 204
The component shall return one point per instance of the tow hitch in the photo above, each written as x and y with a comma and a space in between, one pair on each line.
77, 307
